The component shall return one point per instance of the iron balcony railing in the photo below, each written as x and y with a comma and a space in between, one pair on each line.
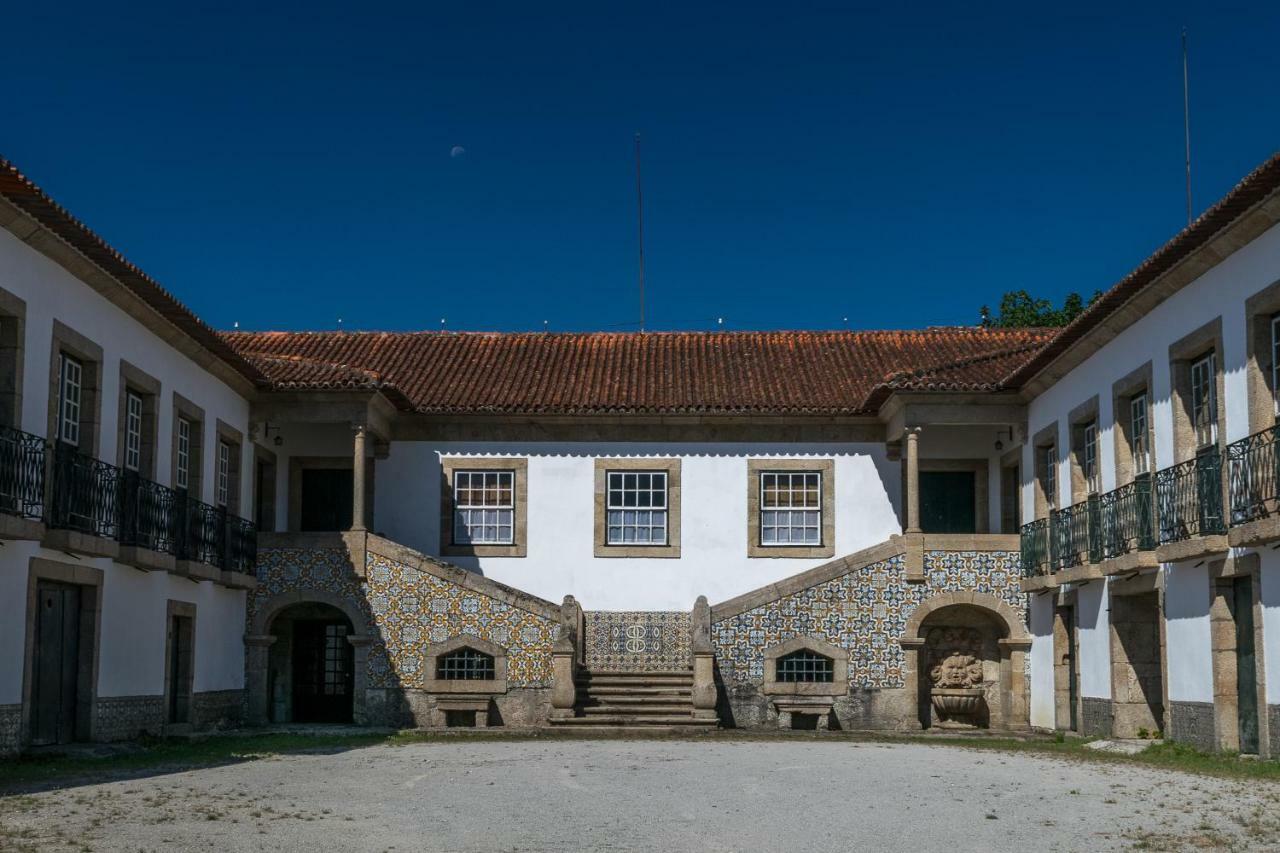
86, 493
1074, 541
1252, 477
1189, 498
148, 514
1035, 548
241, 546
22, 472
210, 534
1127, 519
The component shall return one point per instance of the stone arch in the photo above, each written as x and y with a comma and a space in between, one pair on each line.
1011, 708
259, 640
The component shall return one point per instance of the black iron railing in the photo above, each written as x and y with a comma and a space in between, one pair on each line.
1189, 498
202, 532
1252, 477
1073, 542
148, 514
86, 493
1127, 519
242, 546
22, 470
1035, 549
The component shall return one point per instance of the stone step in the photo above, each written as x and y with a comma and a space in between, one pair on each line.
638, 701
635, 720
641, 710
613, 690
637, 682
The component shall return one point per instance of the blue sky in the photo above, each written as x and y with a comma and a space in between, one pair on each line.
895, 164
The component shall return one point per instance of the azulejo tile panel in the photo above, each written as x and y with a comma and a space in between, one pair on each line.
864, 611
411, 610
637, 641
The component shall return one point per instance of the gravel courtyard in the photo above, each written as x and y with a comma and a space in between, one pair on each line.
704, 795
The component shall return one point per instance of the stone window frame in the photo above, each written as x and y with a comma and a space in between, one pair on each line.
193, 414
519, 466
981, 470
146, 387
1261, 309
172, 609
90, 580
670, 466
1079, 420
13, 326
1182, 354
837, 686
264, 455
827, 546
496, 685
225, 433
1123, 391
1046, 498
89, 354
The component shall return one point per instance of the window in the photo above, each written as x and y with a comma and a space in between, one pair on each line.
182, 471
224, 474
484, 507
71, 373
1089, 458
1204, 400
790, 508
132, 431
465, 665
1275, 364
805, 666
1139, 431
637, 508
1049, 463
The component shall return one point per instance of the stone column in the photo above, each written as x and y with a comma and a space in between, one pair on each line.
913, 480
357, 480
704, 681
257, 665
564, 660
360, 681
913, 657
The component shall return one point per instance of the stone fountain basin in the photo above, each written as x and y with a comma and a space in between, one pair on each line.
957, 701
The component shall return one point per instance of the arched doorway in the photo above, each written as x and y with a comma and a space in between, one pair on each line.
311, 665
967, 667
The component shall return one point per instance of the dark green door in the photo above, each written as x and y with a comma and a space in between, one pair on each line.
326, 499
180, 655
947, 502
323, 672
56, 664
1246, 664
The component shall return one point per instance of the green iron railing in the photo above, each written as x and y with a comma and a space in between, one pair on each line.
1035, 549
1189, 498
1127, 519
1253, 477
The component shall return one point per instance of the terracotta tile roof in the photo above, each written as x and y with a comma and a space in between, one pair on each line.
654, 373
26, 196
1254, 188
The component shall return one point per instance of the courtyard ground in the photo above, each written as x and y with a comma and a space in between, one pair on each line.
706, 794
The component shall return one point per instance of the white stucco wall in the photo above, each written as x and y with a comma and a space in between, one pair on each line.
1270, 594
1187, 638
1040, 618
1093, 636
560, 556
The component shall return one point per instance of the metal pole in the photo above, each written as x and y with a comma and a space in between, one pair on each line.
640, 228
1186, 119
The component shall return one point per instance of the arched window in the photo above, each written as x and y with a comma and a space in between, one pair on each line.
805, 666
465, 664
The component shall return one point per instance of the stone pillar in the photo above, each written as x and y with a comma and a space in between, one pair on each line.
257, 665
913, 480
1013, 661
360, 679
913, 655
359, 464
704, 660
564, 660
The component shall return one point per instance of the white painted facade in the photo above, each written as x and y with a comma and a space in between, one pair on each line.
134, 603
1220, 292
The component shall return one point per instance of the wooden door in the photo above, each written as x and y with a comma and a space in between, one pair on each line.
55, 663
323, 672
180, 669
326, 499
947, 502
1246, 664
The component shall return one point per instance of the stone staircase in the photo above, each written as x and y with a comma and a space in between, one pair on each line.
659, 700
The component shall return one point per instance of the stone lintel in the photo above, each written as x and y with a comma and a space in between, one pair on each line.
1253, 533
1195, 548
1132, 562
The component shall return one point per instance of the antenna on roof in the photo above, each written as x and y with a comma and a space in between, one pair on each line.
720, 323
235, 325
544, 326
339, 324
640, 229
1186, 119
442, 324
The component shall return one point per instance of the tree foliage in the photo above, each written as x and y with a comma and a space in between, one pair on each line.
1019, 309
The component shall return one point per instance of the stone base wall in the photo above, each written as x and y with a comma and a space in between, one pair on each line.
10, 729
127, 717
217, 709
744, 706
1192, 723
1095, 717
400, 708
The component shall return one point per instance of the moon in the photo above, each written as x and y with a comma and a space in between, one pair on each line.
457, 151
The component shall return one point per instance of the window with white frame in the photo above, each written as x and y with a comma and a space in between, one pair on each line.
224, 474
637, 508
1204, 399
1049, 469
182, 471
132, 431
1275, 364
70, 386
1139, 432
1089, 458
484, 507
790, 508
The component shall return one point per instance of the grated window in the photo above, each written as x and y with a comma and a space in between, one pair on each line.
805, 666
465, 665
